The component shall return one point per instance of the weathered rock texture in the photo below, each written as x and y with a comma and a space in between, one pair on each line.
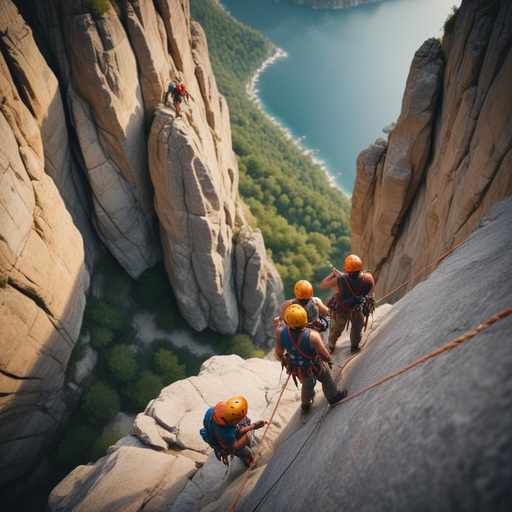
449, 160
76, 173
43, 276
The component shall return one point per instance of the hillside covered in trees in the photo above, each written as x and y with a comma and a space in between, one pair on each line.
305, 221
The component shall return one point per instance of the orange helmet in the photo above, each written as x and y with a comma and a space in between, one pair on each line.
235, 409
353, 263
303, 289
295, 316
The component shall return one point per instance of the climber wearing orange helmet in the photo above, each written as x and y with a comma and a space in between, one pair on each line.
352, 301
316, 310
302, 353
225, 429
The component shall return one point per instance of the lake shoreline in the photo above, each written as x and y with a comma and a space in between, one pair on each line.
253, 91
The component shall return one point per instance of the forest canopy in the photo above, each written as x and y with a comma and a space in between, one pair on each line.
305, 221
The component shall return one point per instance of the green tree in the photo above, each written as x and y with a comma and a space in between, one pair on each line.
167, 366
101, 336
122, 363
146, 389
239, 344
102, 444
100, 404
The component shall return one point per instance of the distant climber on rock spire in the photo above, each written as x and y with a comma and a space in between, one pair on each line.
353, 301
316, 310
303, 354
179, 93
225, 429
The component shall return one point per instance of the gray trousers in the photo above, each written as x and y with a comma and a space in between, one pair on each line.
329, 386
244, 453
339, 323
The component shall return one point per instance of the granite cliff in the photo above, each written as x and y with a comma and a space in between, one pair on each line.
92, 162
449, 158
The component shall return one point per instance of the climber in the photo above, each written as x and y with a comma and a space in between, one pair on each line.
302, 353
170, 90
316, 310
353, 301
226, 427
179, 93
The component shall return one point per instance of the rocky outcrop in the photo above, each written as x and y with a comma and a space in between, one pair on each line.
43, 275
448, 160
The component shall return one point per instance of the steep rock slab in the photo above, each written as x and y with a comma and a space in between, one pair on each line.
471, 158
43, 281
436, 437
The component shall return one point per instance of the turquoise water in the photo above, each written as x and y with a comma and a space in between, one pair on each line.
345, 72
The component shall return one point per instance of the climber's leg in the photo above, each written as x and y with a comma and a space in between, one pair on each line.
356, 330
337, 326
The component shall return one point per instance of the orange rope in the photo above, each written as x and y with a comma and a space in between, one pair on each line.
420, 272
258, 448
450, 345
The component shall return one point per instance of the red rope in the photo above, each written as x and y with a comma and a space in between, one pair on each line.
420, 272
258, 448
450, 345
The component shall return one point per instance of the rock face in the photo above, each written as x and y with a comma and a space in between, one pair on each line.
79, 96
449, 159
436, 437
43, 274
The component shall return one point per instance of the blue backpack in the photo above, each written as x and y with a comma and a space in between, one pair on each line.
210, 439
171, 88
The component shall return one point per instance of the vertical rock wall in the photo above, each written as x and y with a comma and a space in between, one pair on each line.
79, 96
449, 160
42, 271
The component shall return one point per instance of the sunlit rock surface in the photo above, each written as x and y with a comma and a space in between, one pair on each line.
449, 160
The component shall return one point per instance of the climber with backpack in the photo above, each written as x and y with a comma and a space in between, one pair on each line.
316, 310
225, 429
303, 355
179, 93
170, 90
353, 301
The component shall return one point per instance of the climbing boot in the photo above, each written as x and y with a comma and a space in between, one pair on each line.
304, 409
248, 462
331, 349
355, 350
340, 395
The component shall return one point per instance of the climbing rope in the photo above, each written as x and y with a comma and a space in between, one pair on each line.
258, 448
449, 346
